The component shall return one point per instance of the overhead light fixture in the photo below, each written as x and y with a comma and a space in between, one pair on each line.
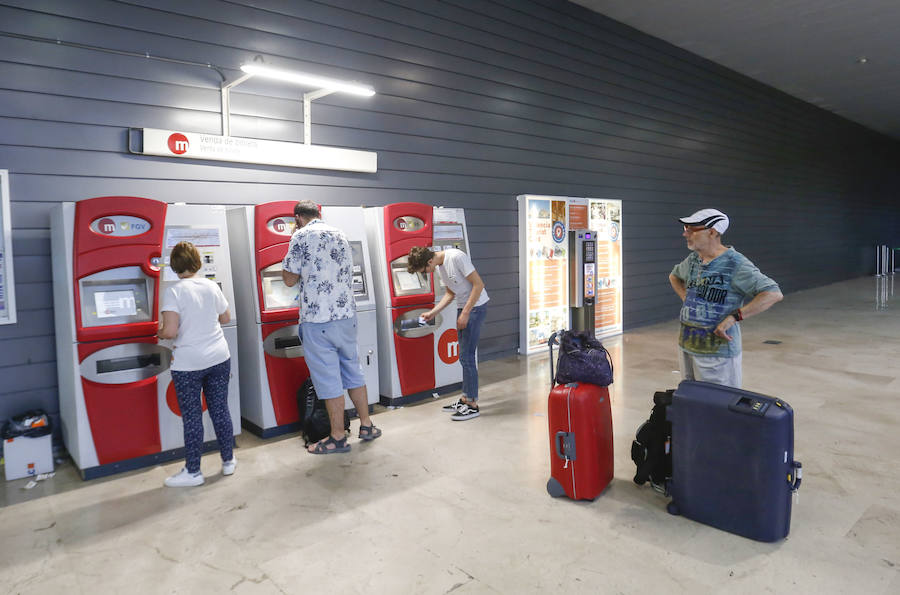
862, 60
303, 78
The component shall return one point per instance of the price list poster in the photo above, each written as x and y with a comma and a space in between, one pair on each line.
543, 272
605, 217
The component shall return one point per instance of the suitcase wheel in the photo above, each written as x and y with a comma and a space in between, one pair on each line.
672, 508
555, 489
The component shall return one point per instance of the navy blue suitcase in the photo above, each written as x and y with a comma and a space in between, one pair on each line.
733, 461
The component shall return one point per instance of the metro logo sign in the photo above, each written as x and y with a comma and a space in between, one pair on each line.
194, 145
119, 226
178, 143
106, 225
283, 226
448, 347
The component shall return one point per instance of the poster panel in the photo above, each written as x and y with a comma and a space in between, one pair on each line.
544, 286
7, 281
605, 218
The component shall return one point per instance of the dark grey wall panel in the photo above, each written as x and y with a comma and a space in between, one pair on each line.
478, 101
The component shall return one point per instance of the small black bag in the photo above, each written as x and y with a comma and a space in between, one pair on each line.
651, 450
314, 422
582, 358
33, 424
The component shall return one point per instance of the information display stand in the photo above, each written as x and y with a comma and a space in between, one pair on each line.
544, 301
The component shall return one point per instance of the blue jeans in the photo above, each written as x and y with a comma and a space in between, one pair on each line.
468, 343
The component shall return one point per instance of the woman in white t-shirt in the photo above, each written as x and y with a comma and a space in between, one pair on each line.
192, 313
464, 285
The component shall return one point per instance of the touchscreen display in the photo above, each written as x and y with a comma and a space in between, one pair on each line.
276, 294
407, 281
110, 304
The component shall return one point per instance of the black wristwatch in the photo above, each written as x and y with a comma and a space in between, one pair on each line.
737, 315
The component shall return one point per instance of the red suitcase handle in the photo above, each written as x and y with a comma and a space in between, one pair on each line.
565, 445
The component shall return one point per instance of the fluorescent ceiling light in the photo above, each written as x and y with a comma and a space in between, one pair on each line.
302, 78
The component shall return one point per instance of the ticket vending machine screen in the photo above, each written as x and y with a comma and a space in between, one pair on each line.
406, 283
117, 296
276, 294
360, 291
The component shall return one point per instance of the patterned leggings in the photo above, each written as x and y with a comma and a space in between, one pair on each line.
214, 381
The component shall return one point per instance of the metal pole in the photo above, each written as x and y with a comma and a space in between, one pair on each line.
877, 260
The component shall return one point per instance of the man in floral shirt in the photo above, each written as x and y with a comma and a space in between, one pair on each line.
320, 260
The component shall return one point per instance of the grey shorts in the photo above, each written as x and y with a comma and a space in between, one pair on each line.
718, 370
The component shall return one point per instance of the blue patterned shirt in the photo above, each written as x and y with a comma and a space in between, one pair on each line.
321, 256
714, 290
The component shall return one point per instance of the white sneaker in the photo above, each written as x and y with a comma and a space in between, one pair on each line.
228, 466
183, 479
452, 407
465, 411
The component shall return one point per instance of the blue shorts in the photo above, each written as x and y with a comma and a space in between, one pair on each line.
332, 356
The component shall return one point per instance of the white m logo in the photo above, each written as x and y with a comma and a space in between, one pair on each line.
452, 349
181, 146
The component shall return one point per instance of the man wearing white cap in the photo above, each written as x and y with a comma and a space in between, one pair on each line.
719, 287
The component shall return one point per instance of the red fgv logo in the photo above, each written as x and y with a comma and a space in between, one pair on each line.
448, 347
178, 143
106, 225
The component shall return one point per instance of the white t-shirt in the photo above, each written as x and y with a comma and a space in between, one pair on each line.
200, 342
457, 266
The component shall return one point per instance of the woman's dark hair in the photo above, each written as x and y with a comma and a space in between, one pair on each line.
184, 258
418, 258
306, 209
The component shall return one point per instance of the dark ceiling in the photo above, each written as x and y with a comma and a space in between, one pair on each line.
841, 55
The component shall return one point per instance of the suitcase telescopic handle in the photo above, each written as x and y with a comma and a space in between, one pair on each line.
797, 478
550, 343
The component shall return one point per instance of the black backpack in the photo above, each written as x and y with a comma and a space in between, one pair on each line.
651, 449
314, 422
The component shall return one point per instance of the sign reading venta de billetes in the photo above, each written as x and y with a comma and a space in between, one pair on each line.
192, 145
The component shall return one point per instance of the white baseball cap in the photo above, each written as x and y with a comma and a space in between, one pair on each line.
708, 218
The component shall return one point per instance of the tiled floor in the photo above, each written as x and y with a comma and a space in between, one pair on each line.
436, 506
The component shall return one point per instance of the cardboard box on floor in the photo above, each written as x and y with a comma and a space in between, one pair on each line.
26, 456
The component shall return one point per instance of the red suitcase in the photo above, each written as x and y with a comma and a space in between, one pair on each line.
581, 438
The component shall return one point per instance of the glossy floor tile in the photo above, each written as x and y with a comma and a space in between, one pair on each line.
436, 506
